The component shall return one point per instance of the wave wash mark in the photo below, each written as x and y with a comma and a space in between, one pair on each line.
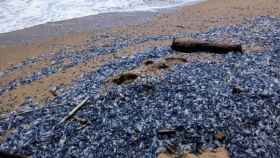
20, 14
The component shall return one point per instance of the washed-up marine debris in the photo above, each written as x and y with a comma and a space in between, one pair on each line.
192, 45
196, 96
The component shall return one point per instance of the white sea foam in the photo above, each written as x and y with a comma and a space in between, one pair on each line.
19, 14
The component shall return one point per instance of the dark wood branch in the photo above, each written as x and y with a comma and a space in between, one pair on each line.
8, 155
189, 46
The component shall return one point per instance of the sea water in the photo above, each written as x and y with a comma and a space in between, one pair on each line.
20, 14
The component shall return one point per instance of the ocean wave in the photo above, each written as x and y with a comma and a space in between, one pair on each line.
20, 14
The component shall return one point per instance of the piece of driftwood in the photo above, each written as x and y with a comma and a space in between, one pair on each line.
8, 155
149, 62
171, 148
125, 78
166, 131
190, 45
53, 93
236, 89
74, 111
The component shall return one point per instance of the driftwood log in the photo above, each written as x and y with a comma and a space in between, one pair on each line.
190, 45
8, 155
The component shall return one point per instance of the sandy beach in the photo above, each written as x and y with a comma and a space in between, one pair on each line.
93, 31
40, 63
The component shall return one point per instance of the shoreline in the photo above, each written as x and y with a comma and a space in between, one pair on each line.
196, 17
49, 30
75, 26
139, 11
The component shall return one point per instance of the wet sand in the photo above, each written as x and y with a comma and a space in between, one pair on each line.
97, 31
